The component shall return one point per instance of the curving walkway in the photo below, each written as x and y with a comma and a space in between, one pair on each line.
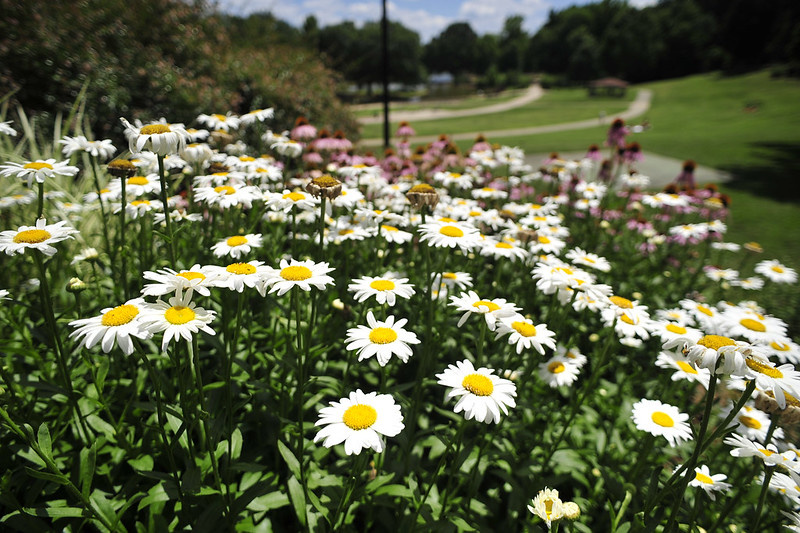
533, 93
638, 107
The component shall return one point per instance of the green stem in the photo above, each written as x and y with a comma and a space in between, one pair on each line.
768, 471
41, 200
63, 366
358, 468
123, 250
111, 252
167, 219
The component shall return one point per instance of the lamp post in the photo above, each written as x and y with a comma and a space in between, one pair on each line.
385, 72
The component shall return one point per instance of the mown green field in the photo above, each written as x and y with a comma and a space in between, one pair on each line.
469, 102
565, 105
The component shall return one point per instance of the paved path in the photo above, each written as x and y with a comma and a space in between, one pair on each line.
638, 107
534, 92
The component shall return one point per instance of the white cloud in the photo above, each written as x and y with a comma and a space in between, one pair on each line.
488, 17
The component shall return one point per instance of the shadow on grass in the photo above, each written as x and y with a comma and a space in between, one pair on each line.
778, 175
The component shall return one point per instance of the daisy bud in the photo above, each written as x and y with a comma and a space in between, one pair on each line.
571, 511
326, 186
76, 285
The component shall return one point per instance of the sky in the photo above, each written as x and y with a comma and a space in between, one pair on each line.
426, 17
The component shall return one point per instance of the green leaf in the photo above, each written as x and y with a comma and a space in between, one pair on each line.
291, 460
143, 463
88, 459
154, 495
624, 528
45, 444
461, 524
273, 500
47, 476
298, 499
395, 490
236, 444
102, 372
104, 507
58, 512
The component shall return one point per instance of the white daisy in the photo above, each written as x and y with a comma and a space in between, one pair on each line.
237, 246
558, 371
259, 115
359, 421
776, 272
708, 482
136, 186
524, 334
226, 196
450, 235
709, 349
744, 447
302, 274
482, 394
660, 419
581, 257
286, 200
218, 122
684, 369
115, 325
774, 379
197, 278
394, 235
752, 423
161, 139
40, 170
385, 289
547, 506
237, 276
6, 129
381, 339
492, 310
177, 318
786, 350
456, 280
491, 247
39, 237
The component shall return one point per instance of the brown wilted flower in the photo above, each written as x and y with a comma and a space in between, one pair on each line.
326, 186
422, 194
121, 168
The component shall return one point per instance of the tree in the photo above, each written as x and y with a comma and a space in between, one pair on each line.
454, 50
513, 44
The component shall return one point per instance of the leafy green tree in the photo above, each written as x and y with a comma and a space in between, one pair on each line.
454, 50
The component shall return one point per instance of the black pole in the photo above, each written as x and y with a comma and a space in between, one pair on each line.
385, 64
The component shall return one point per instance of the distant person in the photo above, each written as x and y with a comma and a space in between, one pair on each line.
685, 179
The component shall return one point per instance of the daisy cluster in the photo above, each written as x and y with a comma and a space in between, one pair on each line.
499, 283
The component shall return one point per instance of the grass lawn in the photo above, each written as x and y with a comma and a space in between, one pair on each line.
469, 102
565, 105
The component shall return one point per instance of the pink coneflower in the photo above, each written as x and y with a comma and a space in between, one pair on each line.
481, 144
324, 142
633, 153
604, 175
553, 157
303, 130
312, 157
404, 149
617, 133
686, 178
593, 153
341, 141
405, 130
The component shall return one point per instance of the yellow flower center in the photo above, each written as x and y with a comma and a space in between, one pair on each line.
236, 240
246, 158
686, 367
491, 305
503, 245
478, 384
382, 285
122, 314
627, 320
326, 181
294, 196
179, 315
702, 478
389, 228
137, 180
588, 259
761, 368
346, 231
451, 231
524, 329
241, 268
753, 325
154, 129
674, 328
779, 346
218, 116
32, 236
750, 422
359, 416
227, 189
777, 269
662, 419
382, 335
556, 367
447, 219
191, 275
543, 240
619, 301
449, 275
422, 187
705, 310
296, 273
475, 213
766, 452
715, 342
137, 203
39, 165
